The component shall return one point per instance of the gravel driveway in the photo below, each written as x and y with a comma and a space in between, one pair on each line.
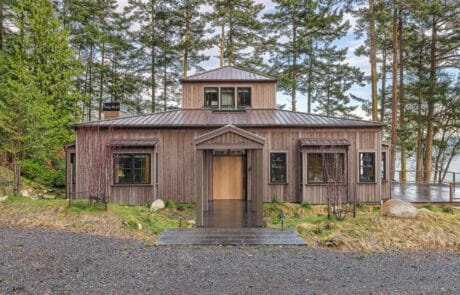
37, 261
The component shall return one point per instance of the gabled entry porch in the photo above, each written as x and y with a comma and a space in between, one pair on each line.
228, 178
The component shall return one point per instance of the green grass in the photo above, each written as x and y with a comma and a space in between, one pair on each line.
118, 220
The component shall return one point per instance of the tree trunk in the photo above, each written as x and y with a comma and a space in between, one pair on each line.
294, 70
90, 62
186, 38
451, 157
16, 175
394, 90
419, 151
230, 39
152, 54
310, 78
101, 81
222, 42
402, 133
429, 133
384, 77
373, 60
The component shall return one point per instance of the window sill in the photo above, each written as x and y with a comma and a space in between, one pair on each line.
278, 183
367, 182
324, 184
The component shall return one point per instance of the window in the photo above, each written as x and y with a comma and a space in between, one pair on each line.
384, 166
278, 167
131, 169
325, 167
157, 169
244, 97
227, 97
211, 97
366, 167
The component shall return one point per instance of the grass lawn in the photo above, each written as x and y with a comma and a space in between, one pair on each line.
436, 228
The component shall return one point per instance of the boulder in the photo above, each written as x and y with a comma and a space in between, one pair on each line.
157, 205
3, 198
191, 223
398, 208
26, 192
139, 226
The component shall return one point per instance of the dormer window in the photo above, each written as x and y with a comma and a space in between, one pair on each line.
227, 98
224, 97
244, 97
211, 97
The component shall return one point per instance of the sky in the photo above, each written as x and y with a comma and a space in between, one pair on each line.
349, 41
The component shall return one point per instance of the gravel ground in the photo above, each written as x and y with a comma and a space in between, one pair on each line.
37, 261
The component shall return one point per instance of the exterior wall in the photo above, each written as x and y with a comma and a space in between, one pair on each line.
263, 94
176, 163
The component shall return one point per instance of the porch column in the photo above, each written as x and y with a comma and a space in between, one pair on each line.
199, 196
257, 186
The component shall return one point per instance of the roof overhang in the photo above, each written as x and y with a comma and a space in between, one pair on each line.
315, 142
134, 143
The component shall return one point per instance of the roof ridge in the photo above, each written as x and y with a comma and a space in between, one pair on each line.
228, 66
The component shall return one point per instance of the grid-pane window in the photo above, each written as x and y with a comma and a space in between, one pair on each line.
131, 168
325, 167
278, 167
383, 166
227, 97
367, 167
244, 97
211, 97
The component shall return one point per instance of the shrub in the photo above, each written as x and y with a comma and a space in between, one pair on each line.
447, 209
305, 205
171, 205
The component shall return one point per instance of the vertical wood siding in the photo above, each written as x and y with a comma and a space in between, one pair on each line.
177, 170
263, 94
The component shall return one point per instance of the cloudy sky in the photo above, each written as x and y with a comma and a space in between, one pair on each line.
349, 41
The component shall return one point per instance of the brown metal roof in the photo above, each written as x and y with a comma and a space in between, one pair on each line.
249, 118
228, 73
134, 143
323, 142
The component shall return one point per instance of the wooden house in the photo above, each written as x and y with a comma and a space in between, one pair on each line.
229, 142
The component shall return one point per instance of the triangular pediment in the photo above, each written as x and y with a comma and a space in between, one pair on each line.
229, 137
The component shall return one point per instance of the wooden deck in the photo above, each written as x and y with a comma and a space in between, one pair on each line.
423, 193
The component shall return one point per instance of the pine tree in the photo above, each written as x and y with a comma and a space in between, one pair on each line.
239, 33
37, 96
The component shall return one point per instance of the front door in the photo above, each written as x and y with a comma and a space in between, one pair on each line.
227, 177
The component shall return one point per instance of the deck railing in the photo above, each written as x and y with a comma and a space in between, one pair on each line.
414, 176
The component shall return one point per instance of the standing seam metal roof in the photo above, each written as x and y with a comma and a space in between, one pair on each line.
228, 73
248, 118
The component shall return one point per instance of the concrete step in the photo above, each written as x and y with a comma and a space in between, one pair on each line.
230, 236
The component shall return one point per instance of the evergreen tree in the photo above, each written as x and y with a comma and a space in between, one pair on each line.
37, 97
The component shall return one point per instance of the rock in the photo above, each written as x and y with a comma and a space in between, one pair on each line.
26, 192
4, 198
398, 208
157, 205
49, 197
191, 222
334, 242
139, 226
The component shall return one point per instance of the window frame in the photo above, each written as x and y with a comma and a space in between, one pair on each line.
218, 97
383, 168
250, 97
345, 169
270, 167
359, 166
227, 107
132, 154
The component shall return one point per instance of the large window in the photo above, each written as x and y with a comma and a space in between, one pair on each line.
325, 167
384, 166
244, 97
211, 97
131, 168
278, 167
367, 167
227, 97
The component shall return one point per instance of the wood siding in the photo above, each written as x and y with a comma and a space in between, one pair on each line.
263, 94
176, 166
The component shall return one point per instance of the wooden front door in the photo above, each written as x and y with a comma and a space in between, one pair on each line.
227, 177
